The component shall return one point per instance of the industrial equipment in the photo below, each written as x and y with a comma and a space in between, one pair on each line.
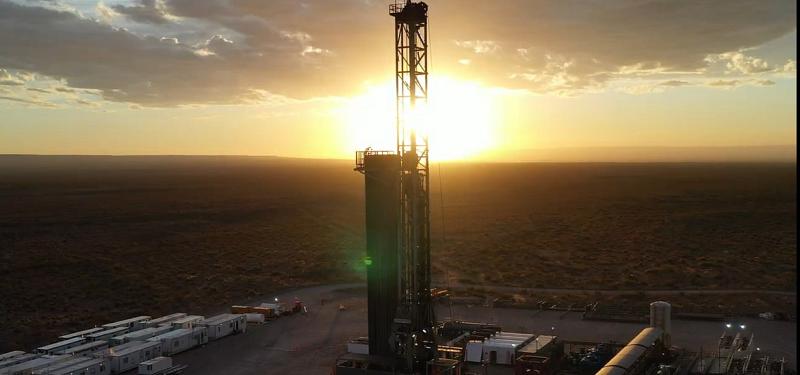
400, 309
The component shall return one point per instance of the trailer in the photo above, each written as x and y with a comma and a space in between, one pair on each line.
129, 323
128, 356
268, 313
160, 366
225, 324
187, 322
93, 366
29, 367
61, 345
74, 366
83, 333
8, 362
85, 349
10, 355
107, 334
166, 319
181, 340
141, 335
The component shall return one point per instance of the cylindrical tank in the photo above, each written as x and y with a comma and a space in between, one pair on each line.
661, 317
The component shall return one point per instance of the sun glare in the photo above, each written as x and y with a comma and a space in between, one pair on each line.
458, 119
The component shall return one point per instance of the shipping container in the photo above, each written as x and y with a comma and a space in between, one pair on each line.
223, 325
181, 340
83, 333
128, 356
128, 323
107, 334
86, 349
187, 321
61, 345
155, 365
140, 335
158, 321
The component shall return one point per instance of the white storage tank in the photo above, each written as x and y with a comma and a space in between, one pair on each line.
128, 356
223, 325
155, 365
661, 317
255, 318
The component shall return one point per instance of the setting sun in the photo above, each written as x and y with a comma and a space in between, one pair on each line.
459, 119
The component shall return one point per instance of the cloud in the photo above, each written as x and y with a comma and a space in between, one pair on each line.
42, 91
674, 83
225, 51
725, 83
765, 82
30, 102
146, 11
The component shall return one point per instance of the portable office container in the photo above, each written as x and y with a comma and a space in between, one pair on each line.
107, 334
86, 349
61, 345
93, 366
158, 321
10, 355
223, 325
155, 365
187, 321
128, 323
181, 339
128, 356
83, 333
71, 363
8, 362
29, 367
141, 335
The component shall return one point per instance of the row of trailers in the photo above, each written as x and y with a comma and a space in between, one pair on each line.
119, 347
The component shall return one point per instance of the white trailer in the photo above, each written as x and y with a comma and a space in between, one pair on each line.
155, 365
187, 321
83, 333
107, 334
86, 349
28, 367
128, 356
10, 355
158, 321
182, 339
92, 366
61, 345
128, 323
72, 363
8, 362
225, 324
141, 335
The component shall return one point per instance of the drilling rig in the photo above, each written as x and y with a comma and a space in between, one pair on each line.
401, 317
